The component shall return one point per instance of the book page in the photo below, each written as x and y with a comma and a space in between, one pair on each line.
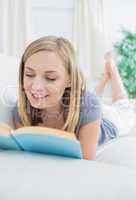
5, 129
44, 130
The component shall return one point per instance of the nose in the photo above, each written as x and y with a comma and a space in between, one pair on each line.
38, 86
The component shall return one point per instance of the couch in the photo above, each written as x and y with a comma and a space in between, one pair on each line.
33, 176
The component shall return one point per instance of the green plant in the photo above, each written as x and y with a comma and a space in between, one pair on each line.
126, 49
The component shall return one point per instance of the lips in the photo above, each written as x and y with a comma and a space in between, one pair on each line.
39, 97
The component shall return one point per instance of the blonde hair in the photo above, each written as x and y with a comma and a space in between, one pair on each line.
72, 95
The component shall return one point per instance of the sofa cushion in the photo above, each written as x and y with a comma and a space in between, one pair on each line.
8, 87
120, 151
31, 176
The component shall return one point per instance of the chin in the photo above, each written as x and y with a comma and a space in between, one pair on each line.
38, 106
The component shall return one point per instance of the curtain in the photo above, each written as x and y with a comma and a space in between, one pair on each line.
90, 36
15, 26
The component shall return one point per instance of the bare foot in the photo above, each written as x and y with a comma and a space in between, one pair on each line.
106, 74
110, 66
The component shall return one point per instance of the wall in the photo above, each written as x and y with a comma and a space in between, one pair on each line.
51, 17
122, 13
56, 17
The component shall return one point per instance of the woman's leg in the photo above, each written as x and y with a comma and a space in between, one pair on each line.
103, 82
120, 110
111, 73
118, 90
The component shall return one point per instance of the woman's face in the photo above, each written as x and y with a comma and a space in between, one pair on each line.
45, 79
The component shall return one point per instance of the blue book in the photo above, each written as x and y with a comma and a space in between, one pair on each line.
40, 140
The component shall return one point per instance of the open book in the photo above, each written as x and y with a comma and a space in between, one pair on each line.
40, 140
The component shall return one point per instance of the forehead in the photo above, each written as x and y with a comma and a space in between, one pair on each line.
45, 60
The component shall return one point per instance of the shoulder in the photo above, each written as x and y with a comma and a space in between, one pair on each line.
90, 102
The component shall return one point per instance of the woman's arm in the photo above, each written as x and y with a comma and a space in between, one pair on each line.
88, 136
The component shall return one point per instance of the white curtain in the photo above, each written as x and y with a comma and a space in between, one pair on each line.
14, 26
90, 36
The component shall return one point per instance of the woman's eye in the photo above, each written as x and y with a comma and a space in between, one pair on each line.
51, 79
29, 75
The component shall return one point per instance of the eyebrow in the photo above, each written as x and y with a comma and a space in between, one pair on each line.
50, 71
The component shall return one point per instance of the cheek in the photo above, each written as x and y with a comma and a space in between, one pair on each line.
27, 84
57, 89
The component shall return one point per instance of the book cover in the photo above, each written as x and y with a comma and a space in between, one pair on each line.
40, 140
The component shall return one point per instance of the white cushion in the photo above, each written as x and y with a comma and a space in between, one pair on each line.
9, 71
120, 151
8, 87
31, 176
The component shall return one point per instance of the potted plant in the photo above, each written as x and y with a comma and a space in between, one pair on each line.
126, 51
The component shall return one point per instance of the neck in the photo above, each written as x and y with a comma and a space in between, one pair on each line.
54, 109
52, 113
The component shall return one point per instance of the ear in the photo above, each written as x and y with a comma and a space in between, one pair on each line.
69, 84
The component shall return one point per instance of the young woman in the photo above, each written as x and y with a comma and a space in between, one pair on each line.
52, 93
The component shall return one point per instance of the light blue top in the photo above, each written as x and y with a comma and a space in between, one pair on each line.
90, 111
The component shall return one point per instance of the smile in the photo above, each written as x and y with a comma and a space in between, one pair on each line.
39, 97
